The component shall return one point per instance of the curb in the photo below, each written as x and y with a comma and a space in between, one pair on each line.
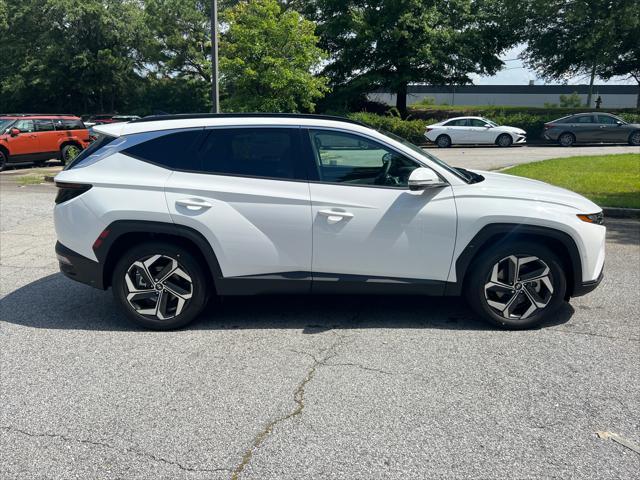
621, 212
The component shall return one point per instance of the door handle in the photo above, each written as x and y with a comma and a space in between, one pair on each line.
335, 216
193, 203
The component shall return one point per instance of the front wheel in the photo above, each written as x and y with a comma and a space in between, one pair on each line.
3, 160
504, 140
634, 138
160, 286
516, 286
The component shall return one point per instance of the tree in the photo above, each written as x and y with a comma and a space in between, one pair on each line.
392, 43
268, 56
624, 47
566, 38
69, 55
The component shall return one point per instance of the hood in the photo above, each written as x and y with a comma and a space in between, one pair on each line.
500, 185
512, 129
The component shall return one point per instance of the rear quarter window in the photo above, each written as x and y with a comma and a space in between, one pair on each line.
177, 151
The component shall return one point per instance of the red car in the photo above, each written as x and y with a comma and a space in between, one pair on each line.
33, 138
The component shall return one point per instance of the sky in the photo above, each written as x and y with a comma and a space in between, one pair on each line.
515, 73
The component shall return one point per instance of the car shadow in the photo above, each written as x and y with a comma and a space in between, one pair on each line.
55, 302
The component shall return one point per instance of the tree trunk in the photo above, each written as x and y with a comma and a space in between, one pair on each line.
215, 92
593, 76
638, 99
401, 98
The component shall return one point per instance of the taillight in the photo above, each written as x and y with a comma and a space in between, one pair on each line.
547, 126
67, 191
429, 129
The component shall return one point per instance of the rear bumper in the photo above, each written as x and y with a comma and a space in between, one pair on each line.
583, 288
79, 268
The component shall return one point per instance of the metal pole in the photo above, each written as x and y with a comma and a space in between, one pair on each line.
215, 90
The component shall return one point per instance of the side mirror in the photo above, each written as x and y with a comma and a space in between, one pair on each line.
424, 178
14, 132
487, 125
619, 123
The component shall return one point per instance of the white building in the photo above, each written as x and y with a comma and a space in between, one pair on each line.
613, 96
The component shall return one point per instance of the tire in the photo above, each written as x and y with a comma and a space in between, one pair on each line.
504, 140
68, 152
523, 304
634, 138
3, 160
443, 141
566, 139
183, 292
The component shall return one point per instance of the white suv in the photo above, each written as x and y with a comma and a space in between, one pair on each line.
168, 210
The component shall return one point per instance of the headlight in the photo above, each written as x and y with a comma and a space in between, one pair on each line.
597, 218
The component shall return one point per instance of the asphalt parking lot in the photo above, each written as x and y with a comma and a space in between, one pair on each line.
298, 387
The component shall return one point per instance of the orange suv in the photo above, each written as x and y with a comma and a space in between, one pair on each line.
33, 138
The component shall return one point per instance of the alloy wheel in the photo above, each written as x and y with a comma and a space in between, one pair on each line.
566, 140
518, 287
158, 287
635, 138
504, 141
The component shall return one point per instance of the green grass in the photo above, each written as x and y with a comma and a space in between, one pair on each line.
608, 180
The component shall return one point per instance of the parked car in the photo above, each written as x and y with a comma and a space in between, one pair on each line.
109, 118
170, 210
592, 127
26, 138
99, 119
473, 130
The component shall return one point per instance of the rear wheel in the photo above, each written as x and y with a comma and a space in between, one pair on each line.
516, 286
160, 286
504, 140
3, 160
634, 138
443, 141
566, 139
68, 152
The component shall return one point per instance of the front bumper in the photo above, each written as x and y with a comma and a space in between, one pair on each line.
79, 268
583, 288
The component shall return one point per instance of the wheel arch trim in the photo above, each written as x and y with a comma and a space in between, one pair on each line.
119, 228
509, 231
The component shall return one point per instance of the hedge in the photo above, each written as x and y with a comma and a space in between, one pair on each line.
413, 129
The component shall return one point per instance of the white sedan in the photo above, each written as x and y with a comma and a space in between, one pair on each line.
473, 130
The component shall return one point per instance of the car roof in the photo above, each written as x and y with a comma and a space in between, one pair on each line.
463, 118
39, 116
172, 122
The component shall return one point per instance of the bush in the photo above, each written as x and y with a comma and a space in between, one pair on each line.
570, 101
411, 130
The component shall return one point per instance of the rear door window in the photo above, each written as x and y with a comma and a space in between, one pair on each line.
254, 152
44, 125
584, 119
461, 122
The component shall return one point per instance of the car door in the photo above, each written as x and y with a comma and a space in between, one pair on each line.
585, 129
47, 136
610, 130
479, 133
368, 227
248, 195
25, 144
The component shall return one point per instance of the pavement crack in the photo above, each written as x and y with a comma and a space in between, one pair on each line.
298, 398
357, 365
135, 451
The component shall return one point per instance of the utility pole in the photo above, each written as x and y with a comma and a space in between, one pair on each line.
215, 90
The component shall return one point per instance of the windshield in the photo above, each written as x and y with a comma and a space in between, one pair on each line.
494, 124
5, 123
460, 173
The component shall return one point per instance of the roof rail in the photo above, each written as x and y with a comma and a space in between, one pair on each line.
185, 116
